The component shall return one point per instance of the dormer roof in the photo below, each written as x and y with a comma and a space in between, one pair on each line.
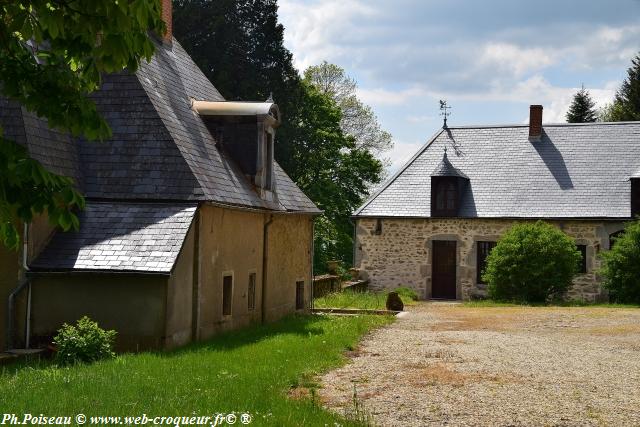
445, 168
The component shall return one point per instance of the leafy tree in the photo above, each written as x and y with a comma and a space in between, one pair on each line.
239, 46
621, 269
52, 53
582, 108
531, 263
358, 119
611, 112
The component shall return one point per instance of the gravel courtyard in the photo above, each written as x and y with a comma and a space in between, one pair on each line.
517, 366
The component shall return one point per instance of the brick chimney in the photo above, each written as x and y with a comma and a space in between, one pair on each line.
168, 20
535, 122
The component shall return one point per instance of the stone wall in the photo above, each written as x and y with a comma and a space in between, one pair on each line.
399, 252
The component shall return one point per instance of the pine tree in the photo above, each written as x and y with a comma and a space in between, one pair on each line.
582, 109
628, 96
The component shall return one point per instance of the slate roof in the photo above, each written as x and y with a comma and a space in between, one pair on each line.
445, 168
574, 171
161, 155
126, 237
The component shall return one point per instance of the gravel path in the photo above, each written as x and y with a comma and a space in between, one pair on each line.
446, 364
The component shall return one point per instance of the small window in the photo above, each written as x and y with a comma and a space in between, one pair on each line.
583, 258
251, 292
484, 248
444, 196
613, 237
299, 295
227, 295
378, 227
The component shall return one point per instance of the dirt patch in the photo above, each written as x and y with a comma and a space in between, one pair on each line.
456, 365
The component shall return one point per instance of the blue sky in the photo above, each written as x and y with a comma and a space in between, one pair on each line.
490, 59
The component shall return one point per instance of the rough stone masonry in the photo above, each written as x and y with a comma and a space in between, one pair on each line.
397, 252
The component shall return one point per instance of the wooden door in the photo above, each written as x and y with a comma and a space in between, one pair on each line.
443, 269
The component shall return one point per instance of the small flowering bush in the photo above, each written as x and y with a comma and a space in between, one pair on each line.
83, 342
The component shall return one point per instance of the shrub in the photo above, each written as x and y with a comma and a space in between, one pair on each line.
84, 342
407, 293
621, 267
531, 263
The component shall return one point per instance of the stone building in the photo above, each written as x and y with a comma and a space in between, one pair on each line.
190, 228
431, 225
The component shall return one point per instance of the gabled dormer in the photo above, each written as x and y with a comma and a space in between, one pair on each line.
447, 185
635, 194
246, 131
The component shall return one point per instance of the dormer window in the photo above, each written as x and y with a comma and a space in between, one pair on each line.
446, 196
447, 184
246, 132
268, 159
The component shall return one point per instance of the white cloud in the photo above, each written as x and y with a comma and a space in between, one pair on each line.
381, 96
515, 59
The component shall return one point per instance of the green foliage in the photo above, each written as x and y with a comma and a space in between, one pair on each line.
626, 105
52, 54
628, 96
84, 342
239, 46
358, 120
582, 109
532, 262
363, 300
248, 370
407, 293
621, 269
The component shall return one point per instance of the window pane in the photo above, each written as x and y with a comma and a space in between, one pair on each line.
299, 295
583, 259
227, 289
484, 248
251, 292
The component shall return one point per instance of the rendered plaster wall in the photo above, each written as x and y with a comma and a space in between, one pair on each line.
230, 244
288, 262
401, 254
133, 305
180, 295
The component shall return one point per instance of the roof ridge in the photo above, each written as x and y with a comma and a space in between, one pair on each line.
524, 125
398, 173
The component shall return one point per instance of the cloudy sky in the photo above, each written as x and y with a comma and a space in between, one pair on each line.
489, 59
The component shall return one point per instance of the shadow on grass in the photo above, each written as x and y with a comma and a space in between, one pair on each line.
296, 324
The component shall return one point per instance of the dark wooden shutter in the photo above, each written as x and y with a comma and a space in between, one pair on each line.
227, 292
299, 295
251, 292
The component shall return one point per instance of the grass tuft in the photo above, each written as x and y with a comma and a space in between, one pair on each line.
251, 370
361, 300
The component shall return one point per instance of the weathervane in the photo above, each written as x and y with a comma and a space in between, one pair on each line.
444, 107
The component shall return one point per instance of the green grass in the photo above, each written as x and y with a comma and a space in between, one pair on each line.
491, 303
250, 370
362, 300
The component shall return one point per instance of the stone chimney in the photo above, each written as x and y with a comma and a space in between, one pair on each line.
535, 122
168, 20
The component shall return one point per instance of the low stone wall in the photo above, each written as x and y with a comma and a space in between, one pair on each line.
400, 255
325, 284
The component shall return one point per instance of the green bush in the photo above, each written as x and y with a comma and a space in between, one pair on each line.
621, 267
407, 293
84, 342
531, 263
